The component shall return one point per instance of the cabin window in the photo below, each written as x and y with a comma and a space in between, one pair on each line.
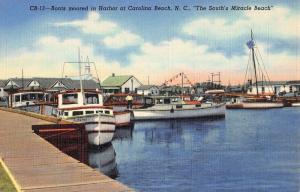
263, 89
127, 90
178, 106
89, 112
25, 97
66, 113
250, 89
76, 113
174, 99
159, 101
167, 101
17, 98
32, 96
70, 99
100, 111
291, 89
91, 98
106, 112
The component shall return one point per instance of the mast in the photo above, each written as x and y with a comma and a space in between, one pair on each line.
79, 65
253, 58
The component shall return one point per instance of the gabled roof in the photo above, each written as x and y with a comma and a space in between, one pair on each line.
20, 81
146, 87
115, 80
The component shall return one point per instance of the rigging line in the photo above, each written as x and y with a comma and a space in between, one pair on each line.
268, 80
97, 75
247, 68
63, 71
263, 65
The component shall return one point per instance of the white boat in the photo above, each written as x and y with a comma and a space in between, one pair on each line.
85, 107
254, 103
173, 107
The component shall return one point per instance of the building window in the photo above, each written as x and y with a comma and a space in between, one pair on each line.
77, 113
127, 90
89, 112
66, 113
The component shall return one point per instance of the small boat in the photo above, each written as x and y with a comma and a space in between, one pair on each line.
174, 107
260, 99
253, 103
27, 98
85, 107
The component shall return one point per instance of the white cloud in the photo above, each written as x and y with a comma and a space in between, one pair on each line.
93, 24
279, 22
122, 39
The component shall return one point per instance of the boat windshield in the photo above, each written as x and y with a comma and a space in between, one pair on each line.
91, 98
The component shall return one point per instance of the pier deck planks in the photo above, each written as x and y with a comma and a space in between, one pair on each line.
37, 166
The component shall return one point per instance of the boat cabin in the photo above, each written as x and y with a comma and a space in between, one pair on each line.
76, 103
23, 99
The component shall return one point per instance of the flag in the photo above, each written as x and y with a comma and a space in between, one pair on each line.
250, 44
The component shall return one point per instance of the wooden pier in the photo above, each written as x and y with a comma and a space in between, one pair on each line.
35, 165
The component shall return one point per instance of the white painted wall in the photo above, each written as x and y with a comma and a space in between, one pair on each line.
3, 93
270, 89
34, 84
132, 85
151, 91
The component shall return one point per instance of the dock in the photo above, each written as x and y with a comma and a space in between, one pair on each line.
35, 165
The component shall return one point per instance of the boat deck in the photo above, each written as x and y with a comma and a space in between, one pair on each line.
35, 165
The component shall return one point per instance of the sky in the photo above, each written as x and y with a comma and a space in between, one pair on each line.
149, 43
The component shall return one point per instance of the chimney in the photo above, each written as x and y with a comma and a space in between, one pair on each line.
113, 74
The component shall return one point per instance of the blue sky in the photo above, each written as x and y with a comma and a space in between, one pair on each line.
158, 44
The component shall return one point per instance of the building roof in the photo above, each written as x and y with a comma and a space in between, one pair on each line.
3, 83
86, 84
146, 87
115, 80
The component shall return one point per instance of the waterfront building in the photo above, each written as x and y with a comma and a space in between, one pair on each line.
120, 84
148, 90
274, 87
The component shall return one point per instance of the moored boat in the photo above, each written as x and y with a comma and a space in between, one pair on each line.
173, 107
85, 107
256, 99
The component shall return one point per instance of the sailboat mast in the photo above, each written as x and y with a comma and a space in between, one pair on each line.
79, 65
253, 58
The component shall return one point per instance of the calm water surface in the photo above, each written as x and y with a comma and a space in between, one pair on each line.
249, 150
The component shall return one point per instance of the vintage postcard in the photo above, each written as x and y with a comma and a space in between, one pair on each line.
149, 96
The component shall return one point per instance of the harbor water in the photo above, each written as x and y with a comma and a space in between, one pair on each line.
248, 150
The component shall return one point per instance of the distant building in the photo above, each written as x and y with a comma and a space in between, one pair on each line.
120, 84
274, 87
148, 90
2, 92
47, 84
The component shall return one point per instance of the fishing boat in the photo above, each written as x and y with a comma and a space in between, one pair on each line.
174, 107
257, 98
84, 107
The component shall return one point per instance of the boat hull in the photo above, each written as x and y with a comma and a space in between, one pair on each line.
153, 114
100, 128
254, 105
123, 118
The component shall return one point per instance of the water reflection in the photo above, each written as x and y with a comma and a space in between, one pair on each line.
123, 133
104, 160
